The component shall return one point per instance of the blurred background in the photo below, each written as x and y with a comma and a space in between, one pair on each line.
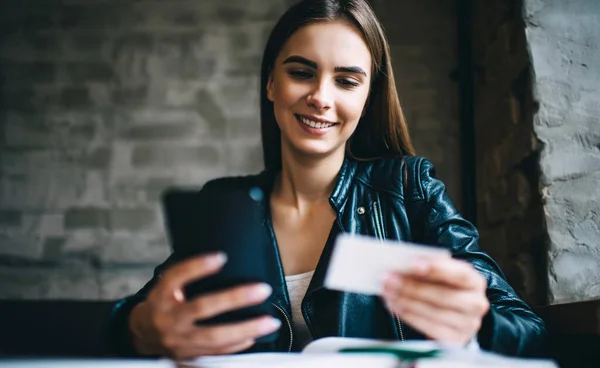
104, 103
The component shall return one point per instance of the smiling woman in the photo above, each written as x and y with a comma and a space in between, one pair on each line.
350, 42
338, 159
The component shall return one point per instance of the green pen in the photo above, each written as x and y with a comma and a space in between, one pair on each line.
400, 353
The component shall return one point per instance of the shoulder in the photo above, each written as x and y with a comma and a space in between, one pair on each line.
229, 183
387, 174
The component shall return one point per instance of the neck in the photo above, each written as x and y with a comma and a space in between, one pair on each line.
305, 181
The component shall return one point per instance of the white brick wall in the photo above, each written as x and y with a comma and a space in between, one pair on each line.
107, 103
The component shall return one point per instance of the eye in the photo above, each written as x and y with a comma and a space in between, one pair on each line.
347, 83
300, 74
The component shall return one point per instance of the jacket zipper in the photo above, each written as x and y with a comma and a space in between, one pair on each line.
378, 224
380, 236
288, 323
399, 325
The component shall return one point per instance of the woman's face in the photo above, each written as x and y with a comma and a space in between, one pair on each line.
319, 86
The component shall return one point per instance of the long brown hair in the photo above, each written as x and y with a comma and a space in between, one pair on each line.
382, 130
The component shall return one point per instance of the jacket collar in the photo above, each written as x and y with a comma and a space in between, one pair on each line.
340, 192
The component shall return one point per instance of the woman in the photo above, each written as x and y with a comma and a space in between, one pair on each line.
338, 159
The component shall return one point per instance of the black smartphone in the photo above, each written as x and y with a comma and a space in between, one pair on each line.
232, 222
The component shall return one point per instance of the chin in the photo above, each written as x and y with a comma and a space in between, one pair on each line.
314, 149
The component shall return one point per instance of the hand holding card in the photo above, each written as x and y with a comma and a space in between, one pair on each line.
359, 264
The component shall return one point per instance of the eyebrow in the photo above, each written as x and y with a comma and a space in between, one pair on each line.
312, 64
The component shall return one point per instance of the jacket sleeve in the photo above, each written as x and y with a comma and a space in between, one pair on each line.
119, 335
510, 327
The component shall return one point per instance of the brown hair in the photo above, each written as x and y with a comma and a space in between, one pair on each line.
382, 130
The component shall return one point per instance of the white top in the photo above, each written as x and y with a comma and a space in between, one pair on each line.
297, 286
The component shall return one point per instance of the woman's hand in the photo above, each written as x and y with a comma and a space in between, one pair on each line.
164, 323
443, 298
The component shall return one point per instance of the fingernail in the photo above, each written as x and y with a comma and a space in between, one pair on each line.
217, 259
388, 279
420, 266
262, 291
178, 295
396, 281
271, 325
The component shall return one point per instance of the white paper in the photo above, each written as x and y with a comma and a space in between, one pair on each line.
469, 359
359, 264
85, 362
321, 353
450, 357
326, 345
293, 360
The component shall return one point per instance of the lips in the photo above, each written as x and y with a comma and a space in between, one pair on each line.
314, 122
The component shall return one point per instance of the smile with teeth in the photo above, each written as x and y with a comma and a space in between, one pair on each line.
314, 124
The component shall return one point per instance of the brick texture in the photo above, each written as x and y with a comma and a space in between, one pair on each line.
565, 49
537, 144
106, 103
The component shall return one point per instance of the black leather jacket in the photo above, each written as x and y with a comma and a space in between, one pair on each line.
396, 198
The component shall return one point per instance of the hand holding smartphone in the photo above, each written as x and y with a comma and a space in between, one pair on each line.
231, 222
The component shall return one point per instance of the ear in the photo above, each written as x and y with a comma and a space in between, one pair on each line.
270, 88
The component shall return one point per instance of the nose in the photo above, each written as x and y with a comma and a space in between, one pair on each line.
320, 98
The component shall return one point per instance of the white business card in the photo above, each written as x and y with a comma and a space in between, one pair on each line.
359, 263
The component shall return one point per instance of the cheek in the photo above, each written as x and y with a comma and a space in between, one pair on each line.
288, 93
352, 105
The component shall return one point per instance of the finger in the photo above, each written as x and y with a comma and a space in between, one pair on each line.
449, 271
213, 304
218, 337
433, 329
460, 322
439, 295
175, 277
